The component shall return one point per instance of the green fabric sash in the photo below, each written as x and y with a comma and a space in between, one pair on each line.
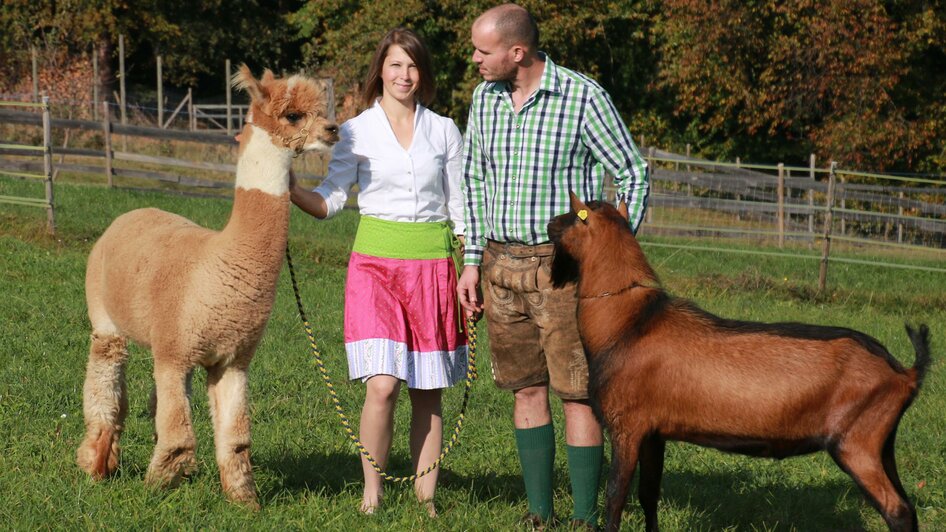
407, 240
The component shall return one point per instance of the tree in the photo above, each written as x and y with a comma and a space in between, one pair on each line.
606, 40
779, 78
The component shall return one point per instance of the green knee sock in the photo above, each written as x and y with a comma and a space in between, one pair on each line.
536, 455
584, 468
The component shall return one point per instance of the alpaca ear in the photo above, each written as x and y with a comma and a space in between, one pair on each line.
622, 210
244, 80
268, 77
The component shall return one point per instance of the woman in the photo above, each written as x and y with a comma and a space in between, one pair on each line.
401, 317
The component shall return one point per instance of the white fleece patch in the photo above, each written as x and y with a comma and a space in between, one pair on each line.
263, 165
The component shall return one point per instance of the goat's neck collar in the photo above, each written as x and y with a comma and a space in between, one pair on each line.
609, 293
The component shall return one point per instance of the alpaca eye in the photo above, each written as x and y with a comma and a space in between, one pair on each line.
293, 117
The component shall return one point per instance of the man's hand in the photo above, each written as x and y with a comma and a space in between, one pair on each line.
468, 291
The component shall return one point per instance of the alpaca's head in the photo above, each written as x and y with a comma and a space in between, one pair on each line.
293, 110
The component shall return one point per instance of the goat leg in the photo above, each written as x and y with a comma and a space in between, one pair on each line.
652, 468
624, 453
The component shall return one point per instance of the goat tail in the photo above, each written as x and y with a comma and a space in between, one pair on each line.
104, 405
920, 338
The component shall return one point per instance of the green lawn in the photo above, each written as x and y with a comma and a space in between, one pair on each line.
308, 473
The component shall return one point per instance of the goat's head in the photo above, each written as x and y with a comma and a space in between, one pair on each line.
293, 110
585, 228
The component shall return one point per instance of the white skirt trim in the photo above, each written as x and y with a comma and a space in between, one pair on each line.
420, 370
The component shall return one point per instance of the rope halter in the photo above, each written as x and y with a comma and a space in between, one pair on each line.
302, 135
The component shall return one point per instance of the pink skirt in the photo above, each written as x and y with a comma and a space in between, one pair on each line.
401, 319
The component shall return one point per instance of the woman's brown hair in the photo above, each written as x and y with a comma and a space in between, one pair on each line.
415, 49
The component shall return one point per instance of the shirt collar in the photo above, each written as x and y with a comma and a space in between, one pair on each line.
549, 82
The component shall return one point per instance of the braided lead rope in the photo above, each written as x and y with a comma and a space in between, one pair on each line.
317, 355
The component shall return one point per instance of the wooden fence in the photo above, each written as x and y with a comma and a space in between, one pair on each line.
44, 173
798, 211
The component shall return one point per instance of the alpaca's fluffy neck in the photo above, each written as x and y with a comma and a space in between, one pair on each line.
262, 165
259, 223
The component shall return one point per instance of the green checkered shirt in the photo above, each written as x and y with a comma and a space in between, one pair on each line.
519, 168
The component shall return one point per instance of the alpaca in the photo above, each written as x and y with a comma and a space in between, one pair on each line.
198, 297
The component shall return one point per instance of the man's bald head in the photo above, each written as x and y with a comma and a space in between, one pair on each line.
513, 23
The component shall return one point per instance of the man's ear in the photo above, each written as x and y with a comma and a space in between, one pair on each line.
518, 53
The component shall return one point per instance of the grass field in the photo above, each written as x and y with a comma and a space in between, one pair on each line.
308, 473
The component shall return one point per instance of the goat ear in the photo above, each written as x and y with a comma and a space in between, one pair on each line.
622, 210
576, 203
579, 208
244, 80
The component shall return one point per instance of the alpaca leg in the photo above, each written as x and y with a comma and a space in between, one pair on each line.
105, 404
624, 455
226, 388
652, 468
153, 401
174, 451
864, 464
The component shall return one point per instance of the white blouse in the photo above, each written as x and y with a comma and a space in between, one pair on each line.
420, 184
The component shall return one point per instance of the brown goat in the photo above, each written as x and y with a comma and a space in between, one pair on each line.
663, 369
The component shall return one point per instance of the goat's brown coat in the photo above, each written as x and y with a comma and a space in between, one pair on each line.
663, 369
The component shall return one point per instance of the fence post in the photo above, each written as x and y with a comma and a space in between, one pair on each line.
229, 100
95, 84
900, 219
107, 130
48, 168
190, 109
738, 196
160, 95
121, 76
780, 194
843, 206
35, 60
826, 248
811, 197
121, 85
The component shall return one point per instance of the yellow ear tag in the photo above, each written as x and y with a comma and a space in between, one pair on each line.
583, 214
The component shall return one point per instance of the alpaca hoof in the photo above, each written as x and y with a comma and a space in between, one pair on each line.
168, 471
246, 499
98, 456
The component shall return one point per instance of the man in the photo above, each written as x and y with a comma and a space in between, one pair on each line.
537, 130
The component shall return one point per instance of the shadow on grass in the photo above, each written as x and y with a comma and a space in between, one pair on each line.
334, 473
720, 507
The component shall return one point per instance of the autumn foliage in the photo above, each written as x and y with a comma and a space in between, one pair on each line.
861, 82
